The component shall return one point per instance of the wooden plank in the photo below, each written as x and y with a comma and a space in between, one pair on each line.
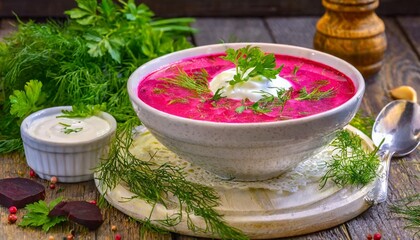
411, 27
401, 67
217, 30
204, 8
14, 165
296, 31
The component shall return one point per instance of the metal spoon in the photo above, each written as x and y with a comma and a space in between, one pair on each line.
398, 126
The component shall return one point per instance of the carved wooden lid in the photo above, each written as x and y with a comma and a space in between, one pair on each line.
351, 5
352, 2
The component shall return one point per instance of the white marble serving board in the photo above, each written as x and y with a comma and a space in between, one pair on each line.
267, 209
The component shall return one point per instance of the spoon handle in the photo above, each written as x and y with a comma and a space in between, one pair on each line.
379, 192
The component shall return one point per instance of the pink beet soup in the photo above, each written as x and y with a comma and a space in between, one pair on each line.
301, 73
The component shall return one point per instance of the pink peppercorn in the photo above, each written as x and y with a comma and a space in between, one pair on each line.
53, 180
12, 218
12, 210
32, 173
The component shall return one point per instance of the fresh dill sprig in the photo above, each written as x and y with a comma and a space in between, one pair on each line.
296, 69
351, 164
409, 209
217, 95
196, 82
250, 62
315, 94
154, 184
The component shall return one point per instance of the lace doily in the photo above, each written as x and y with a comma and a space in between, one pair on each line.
311, 170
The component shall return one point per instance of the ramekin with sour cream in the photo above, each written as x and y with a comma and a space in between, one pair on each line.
67, 148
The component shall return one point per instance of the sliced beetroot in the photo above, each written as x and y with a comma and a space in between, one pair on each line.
58, 210
81, 212
19, 192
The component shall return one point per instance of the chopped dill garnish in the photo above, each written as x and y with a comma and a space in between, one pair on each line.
196, 82
178, 100
296, 69
409, 209
321, 82
268, 101
68, 129
217, 95
158, 90
315, 94
240, 109
351, 164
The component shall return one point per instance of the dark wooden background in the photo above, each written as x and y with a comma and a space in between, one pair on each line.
206, 8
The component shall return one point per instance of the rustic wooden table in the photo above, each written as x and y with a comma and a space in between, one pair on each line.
401, 67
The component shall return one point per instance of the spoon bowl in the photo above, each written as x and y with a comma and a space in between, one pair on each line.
397, 133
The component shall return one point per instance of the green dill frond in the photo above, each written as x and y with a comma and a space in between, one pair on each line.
351, 164
11, 145
196, 82
315, 94
154, 184
409, 209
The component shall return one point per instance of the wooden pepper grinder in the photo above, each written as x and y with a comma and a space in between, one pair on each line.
351, 30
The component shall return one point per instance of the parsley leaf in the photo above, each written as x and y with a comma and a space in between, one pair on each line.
251, 62
37, 215
26, 102
83, 111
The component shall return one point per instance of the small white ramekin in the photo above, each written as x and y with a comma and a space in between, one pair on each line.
69, 162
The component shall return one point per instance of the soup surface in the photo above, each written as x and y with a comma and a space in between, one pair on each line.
307, 88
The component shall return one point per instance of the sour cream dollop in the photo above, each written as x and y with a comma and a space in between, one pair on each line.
68, 130
251, 89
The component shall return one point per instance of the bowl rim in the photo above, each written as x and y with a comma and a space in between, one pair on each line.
52, 110
358, 82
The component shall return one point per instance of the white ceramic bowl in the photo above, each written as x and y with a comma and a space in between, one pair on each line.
246, 151
69, 162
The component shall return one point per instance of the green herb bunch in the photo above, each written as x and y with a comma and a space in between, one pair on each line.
86, 59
